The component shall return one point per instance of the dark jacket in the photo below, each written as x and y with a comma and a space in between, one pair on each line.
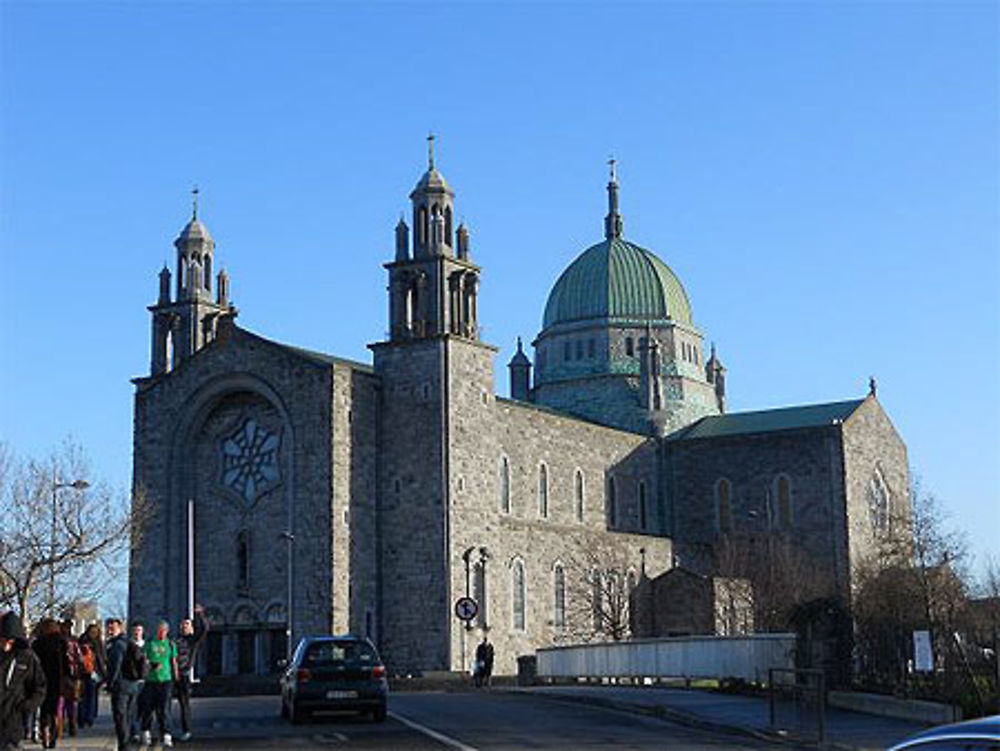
22, 682
187, 646
116, 650
53, 652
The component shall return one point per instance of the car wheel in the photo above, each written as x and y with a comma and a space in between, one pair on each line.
378, 714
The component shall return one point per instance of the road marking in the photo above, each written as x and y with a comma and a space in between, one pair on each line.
440, 737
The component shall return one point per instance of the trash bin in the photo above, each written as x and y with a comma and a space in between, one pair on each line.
527, 666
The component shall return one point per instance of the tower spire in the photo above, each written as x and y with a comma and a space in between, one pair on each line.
613, 221
430, 150
194, 203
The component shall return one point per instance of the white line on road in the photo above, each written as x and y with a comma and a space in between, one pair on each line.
440, 737
340, 737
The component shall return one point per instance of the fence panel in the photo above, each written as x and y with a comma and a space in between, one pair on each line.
747, 657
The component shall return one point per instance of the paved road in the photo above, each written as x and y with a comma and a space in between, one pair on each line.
458, 721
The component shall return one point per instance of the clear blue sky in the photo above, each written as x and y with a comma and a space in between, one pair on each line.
823, 177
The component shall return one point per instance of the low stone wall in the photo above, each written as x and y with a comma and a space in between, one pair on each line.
747, 657
930, 712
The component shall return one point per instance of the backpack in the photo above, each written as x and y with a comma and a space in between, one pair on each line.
87, 657
135, 664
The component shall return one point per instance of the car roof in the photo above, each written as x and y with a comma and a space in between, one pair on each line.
336, 637
985, 728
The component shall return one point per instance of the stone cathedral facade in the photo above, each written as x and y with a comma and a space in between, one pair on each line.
370, 496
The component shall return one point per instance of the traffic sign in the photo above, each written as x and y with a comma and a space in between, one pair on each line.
466, 608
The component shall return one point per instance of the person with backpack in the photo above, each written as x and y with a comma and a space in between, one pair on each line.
22, 681
94, 670
125, 670
72, 687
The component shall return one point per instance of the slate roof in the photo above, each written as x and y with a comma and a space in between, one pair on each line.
768, 420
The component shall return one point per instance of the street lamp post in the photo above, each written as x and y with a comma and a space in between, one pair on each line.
290, 539
56, 486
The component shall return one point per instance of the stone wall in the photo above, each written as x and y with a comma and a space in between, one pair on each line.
412, 525
193, 433
809, 458
873, 454
482, 431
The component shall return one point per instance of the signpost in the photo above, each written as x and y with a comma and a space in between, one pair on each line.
923, 655
466, 609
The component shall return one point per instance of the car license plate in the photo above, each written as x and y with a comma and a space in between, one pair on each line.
341, 694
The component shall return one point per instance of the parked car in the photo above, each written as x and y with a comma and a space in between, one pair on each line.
334, 673
972, 735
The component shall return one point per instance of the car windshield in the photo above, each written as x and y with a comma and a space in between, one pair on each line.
326, 653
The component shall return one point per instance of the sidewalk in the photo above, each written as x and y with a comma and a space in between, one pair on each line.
747, 715
101, 736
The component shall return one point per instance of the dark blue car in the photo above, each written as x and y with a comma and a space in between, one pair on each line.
334, 673
973, 735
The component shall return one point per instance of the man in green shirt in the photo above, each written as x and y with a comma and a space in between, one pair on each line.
162, 655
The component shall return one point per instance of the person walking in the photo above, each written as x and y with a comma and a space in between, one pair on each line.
162, 655
94, 662
22, 681
123, 679
192, 634
50, 646
484, 662
138, 632
72, 687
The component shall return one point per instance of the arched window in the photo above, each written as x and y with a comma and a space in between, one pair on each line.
591, 348
422, 224
578, 495
596, 600
642, 505
208, 272
559, 603
517, 590
243, 559
612, 503
447, 225
783, 498
723, 506
479, 593
629, 346
504, 485
543, 491
879, 501
567, 351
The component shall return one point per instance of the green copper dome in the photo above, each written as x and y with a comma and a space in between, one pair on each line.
617, 279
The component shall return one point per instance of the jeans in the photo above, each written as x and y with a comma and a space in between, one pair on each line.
124, 702
182, 689
157, 701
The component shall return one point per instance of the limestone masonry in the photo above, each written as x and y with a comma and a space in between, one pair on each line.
372, 496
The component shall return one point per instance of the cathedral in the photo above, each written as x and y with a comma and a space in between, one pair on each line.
294, 492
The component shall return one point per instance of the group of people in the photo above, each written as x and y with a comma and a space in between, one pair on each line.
483, 673
49, 686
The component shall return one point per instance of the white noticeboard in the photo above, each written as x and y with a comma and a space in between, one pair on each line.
923, 655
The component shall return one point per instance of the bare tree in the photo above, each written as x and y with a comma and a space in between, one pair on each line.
914, 579
783, 575
62, 535
600, 578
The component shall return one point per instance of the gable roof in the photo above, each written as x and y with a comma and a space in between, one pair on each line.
768, 420
320, 358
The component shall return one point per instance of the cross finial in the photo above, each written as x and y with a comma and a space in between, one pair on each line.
430, 150
612, 162
194, 202
872, 386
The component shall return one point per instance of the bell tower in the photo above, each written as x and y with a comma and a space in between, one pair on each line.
433, 287
189, 321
